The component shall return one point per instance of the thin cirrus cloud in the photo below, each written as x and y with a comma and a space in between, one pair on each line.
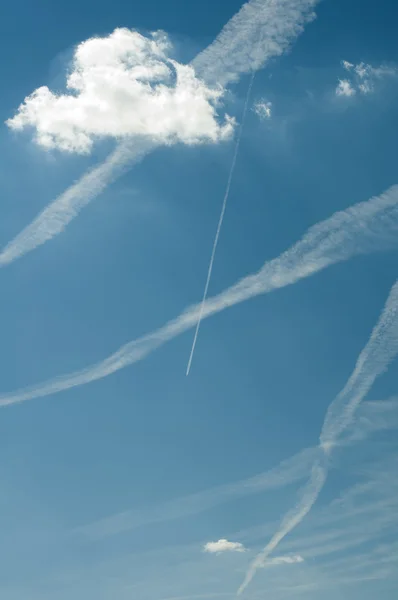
362, 78
372, 417
261, 30
223, 546
366, 227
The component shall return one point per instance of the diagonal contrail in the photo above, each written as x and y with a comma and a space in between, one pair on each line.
366, 227
221, 219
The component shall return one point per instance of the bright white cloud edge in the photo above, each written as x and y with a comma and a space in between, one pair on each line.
223, 545
125, 85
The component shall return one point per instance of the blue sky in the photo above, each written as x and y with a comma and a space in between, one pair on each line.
112, 489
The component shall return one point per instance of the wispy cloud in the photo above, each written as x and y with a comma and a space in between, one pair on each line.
366, 227
308, 495
289, 471
261, 30
362, 78
372, 417
223, 546
67, 206
374, 360
263, 109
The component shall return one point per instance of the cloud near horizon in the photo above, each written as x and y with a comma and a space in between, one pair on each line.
121, 86
223, 546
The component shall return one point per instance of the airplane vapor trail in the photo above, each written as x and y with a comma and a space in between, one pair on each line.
309, 494
57, 215
376, 356
274, 22
221, 219
365, 227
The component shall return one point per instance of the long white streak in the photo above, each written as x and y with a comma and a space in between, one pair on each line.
309, 495
57, 215
275, 23
221, 218
374, 359
365, 227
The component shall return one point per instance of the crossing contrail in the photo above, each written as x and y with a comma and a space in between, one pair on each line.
366, 227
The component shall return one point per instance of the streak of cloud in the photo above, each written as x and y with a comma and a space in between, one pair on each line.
376, 356
365, 227
309, 494
271, 24
57, 215
289, 471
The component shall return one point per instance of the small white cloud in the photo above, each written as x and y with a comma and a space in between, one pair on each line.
345, 88
363, 78
347, 65
120, 86
263, 109
223, 546
283, 560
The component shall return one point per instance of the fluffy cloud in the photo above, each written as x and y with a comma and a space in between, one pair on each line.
120, 86
345, 88
263, 109
223, 546
362, 78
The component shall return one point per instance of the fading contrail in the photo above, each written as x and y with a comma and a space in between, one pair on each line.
365, 227
372, 417
221, 218
274, 22
57, 215
376, 356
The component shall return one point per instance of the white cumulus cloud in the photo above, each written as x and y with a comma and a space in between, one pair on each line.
120, 86
345, 88
263, 109
223, 546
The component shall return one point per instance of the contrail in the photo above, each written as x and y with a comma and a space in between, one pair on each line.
378, 353
57, 215
365, 227
290, 470
372, 417
274, 22
221, 218
310, 493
